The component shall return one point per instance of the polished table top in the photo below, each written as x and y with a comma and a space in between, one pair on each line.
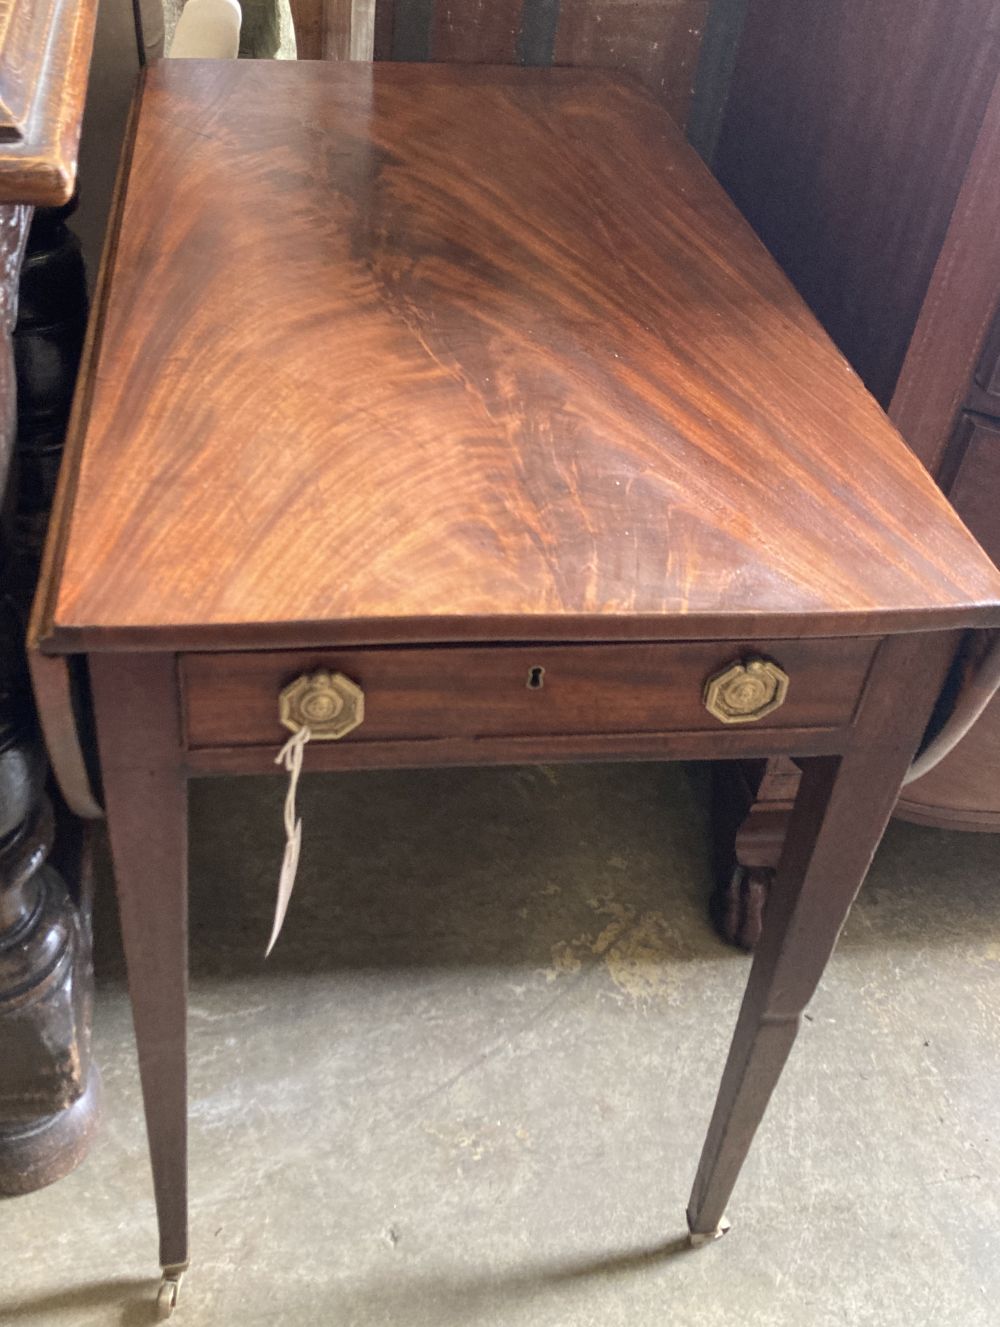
416, 352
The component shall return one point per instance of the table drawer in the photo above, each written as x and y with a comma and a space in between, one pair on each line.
413, 693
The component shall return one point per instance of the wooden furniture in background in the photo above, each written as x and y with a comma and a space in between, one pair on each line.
48, 1084
847, 133
586, 451
947, 405
48, 339
862, 141
657, 41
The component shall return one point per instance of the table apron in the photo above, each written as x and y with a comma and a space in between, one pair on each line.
330, 757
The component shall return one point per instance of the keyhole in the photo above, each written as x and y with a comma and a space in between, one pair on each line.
535, 678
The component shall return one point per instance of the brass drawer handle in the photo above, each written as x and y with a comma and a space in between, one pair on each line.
330, 705
745, 692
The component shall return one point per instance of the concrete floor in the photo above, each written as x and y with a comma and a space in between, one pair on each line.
470, 1085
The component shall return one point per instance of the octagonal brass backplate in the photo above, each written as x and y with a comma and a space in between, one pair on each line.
746, 691
329, 704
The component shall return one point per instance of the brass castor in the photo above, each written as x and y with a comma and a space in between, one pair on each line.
169, 1292
697, 1239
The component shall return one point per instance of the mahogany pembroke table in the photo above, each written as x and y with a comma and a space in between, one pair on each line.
463, 403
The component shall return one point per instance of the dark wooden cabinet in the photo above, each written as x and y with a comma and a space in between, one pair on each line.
862, 140
847, 135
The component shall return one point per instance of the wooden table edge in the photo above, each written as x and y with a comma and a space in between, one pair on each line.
61, 516
52, 639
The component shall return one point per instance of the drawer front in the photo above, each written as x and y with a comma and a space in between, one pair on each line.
413, 693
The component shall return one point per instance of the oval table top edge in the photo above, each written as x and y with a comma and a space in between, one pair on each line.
466, 630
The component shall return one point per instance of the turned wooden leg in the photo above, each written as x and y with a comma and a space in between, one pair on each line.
145, 794
49, 1086
840, 813
752, 803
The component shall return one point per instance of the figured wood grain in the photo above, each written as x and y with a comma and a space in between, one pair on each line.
418, 693
513, 366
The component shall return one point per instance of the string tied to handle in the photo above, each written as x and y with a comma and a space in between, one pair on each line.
321, 707
290, 756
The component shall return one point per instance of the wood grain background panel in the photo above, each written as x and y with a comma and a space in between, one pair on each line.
657, 41
477, 31
847, 133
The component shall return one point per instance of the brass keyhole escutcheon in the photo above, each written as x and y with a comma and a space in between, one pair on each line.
329, 704
745, 692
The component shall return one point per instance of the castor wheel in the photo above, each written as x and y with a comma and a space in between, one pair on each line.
166, 1300
698, 1239
170, 1289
